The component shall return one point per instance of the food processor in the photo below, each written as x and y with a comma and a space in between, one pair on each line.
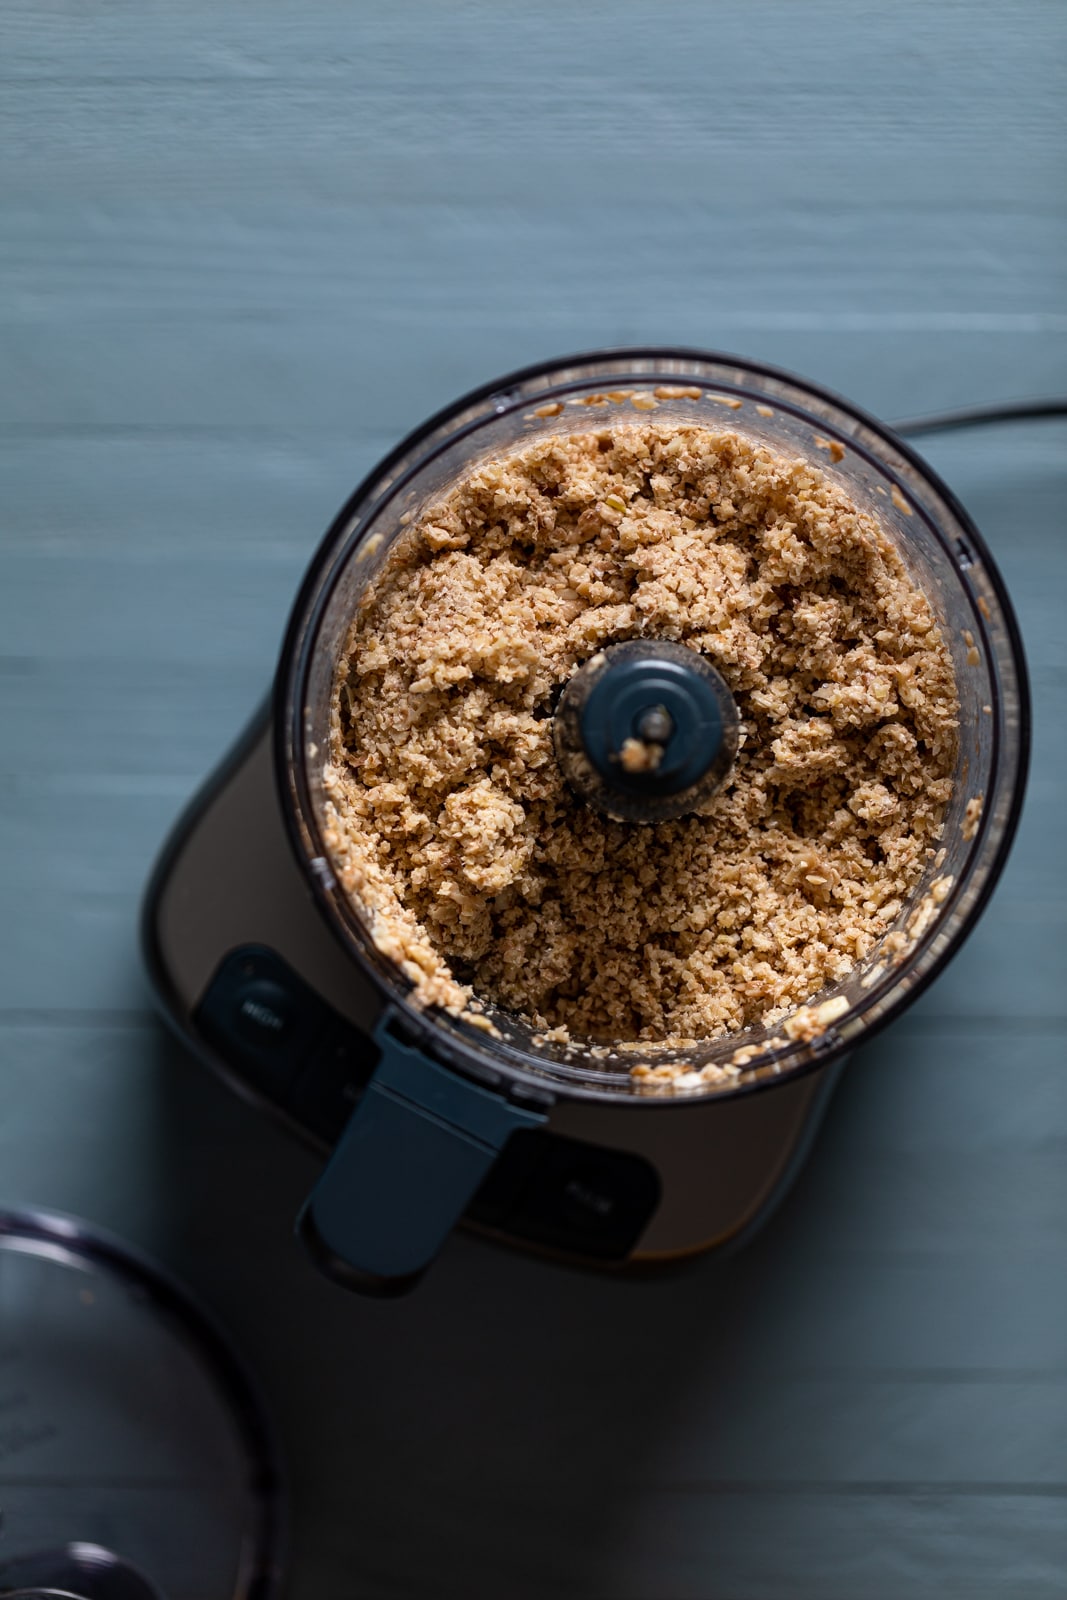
269, 970
136, 1459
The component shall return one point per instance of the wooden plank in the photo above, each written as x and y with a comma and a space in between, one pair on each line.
797, 269
198, 497
362, 370
341, 100
241, 534
84, 838
730, 1547
933, 1547
112, 733
230, 608
977, 1294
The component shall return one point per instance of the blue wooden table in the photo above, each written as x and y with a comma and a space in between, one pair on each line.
243, 247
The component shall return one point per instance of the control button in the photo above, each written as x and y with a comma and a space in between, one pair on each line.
588, 1200
587, 1203
263, 1020
264, 1012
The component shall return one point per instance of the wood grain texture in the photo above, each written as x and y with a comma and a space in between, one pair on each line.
243, 248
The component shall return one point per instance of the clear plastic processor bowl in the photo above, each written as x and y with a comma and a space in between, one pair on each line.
938, 543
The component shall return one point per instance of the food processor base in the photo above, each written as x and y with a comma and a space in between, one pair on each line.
253, 980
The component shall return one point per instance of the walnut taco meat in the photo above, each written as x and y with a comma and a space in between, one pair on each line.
450, 825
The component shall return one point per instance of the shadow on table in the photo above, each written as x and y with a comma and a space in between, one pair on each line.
489, 1435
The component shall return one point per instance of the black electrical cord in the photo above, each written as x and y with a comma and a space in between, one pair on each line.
972, 416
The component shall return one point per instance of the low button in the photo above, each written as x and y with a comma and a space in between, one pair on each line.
263, 1013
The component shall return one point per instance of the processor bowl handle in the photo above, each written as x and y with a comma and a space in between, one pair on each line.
413, 1154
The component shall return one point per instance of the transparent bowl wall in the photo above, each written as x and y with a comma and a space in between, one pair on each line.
939, 545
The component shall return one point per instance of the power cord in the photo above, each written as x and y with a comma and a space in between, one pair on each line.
972, 416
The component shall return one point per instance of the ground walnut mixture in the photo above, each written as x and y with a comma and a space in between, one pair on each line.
448, 818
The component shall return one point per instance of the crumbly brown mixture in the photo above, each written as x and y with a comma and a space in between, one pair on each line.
451, 824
